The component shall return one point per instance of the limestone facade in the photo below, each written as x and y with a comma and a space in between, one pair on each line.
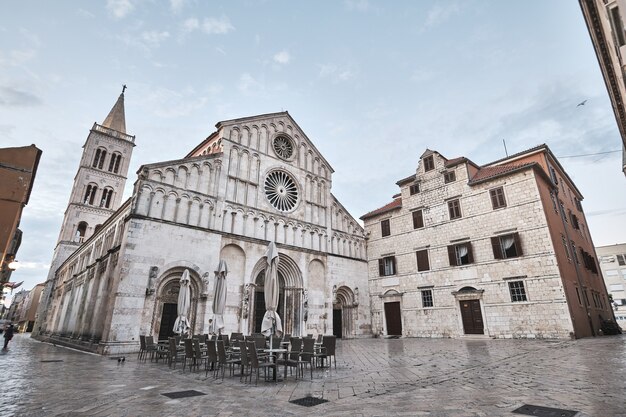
613, 266
252, 181
509, 282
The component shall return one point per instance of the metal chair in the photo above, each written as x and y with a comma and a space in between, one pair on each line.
256, 364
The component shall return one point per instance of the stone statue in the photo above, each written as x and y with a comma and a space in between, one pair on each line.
152, 276
205, 284
305, 297
245, 302
334, 294
356, 296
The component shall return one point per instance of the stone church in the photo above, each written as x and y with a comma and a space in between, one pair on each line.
116, 267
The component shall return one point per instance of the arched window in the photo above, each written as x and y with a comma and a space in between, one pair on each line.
114, 164
96, 229
90, 194
98, 159
107, 194
80, 232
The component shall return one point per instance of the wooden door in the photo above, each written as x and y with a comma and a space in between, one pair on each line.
337, 323
393, 318
472, 317
168, 317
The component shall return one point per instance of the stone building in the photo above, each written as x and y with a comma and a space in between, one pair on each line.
500, 250
254, 180
605, 21
27, 309
613, 266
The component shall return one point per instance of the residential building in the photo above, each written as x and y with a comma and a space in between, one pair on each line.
612, 260
27, 309
254, 180
17, 304
605, 21
500, 250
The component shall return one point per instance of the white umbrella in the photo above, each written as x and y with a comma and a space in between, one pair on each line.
219, 297
271, 320
181, 325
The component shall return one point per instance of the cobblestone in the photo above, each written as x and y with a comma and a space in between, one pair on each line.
374, 377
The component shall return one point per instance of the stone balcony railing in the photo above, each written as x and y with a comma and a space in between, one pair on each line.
113, 133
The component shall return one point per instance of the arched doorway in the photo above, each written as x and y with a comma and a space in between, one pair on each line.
169, 309
166, 305
290, 308
471, 311
343, 317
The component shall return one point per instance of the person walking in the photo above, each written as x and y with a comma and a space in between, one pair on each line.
8, 335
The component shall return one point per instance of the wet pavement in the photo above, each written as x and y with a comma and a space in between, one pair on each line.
374, 377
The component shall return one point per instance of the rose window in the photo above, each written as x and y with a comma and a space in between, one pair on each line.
281, 190
283, 146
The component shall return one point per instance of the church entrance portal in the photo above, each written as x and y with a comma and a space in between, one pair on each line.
337, 326
259, 301
168, 317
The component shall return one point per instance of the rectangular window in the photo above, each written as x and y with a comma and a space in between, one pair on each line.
579, 206
460, 254
553, 201
414, 188
387, 266
578, 295
429, 163
562, 207
497, 198
418, 219
507, 246
449, 176
518, 293
574, 253
621, 259
616, 287
586, 297
385, 229
454, 208
616, 25
422, 260
427, 298
569, 258
574, 220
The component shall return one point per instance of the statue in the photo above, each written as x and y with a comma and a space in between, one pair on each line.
245, 302
334, 294
356, 296
205, 285
154, 271
306, 304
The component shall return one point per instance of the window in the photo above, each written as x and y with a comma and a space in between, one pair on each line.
518, 293
454, 208
507, 246
553, 201
589, 261
107, 193
418, 219
616, 287
574, 253
460, 254
497, 198
449, 176
621, 259
553, 175
579, 206
563, 211
98, 160
90, 194
616, 25
414, 188
80, 232
427, 298
429, 163
586, 297
578, 295
567, 248
385, 228
114, 164
422, 260
387, 266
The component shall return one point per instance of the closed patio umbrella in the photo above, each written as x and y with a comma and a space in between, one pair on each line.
181, 325
271, 324
219, 297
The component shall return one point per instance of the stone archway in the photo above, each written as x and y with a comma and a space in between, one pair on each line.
344, 306
291, 295
167, 301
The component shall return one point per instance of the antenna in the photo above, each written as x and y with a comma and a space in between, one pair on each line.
505, 151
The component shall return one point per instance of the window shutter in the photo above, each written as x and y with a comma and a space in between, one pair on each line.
393, 262
418, 219
518, 244
381, 267
452, 255
497, 249
422, 260
494, 199
470, 254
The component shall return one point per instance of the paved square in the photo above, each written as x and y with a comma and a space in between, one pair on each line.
374, 377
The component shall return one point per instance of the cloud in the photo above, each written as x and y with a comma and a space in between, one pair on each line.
282, 57
358, 5
177, 5
85, 14
120, 8
11, 97
220, 26
210, 25
335, 73
154, 38
248, 84
167, 103
17, 57
439, 13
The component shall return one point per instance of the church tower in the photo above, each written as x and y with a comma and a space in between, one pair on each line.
99, 182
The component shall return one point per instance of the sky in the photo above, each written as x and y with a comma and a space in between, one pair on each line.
371, 83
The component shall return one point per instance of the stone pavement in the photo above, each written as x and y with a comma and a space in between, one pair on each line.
374, 377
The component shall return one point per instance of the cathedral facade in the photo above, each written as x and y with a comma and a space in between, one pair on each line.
254, 180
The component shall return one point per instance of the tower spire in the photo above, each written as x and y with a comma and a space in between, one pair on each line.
116, 119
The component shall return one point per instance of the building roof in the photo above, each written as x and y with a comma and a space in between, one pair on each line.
116, 119
488, 173
395, 204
